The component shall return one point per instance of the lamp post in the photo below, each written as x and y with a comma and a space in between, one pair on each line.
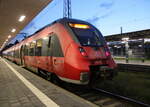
143, 47
126, 48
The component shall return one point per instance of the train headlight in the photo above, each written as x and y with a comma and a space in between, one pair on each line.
107, 53
84, 76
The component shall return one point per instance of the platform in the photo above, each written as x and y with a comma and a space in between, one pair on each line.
134, 62
21, 88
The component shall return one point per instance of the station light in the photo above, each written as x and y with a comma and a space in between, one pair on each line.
147, 40
123, 42
21, 18
13, 30
9, 36
140, 45
125, 39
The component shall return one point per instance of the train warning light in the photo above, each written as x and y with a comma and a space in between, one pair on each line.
81, 26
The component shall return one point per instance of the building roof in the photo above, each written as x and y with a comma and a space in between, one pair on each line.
11, 10
131, 35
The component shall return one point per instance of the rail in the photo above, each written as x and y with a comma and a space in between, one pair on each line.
122, 97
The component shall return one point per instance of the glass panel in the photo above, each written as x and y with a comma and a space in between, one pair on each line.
88, 36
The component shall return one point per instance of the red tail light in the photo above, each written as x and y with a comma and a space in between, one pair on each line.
83, 52
107, 53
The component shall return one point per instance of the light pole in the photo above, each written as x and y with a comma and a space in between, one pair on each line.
126, 48
143, 47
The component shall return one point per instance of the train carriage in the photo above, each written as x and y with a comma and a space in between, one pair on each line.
71, 50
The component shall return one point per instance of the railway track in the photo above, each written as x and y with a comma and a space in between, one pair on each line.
123, 98
103, 98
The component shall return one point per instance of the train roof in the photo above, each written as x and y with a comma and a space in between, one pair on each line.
63, 21
67, 20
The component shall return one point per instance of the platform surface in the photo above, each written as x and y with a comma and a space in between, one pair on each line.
21, 88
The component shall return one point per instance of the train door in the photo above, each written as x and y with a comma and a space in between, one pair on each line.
57, 55
49, 54
46, 65
38, 52
22, 55
43, 54
32, 60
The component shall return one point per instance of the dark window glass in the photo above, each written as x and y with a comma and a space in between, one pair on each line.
49, 49
89, 36
38, 50
56, 47
16, 53
32, 48
45, 46
26, 49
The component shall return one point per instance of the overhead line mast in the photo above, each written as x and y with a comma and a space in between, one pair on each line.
67, 9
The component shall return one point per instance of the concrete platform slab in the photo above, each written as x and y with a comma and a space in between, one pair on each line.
15, 91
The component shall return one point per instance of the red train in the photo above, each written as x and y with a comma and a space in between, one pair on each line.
68, 49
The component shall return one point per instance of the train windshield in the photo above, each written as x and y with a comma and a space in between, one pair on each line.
87, 35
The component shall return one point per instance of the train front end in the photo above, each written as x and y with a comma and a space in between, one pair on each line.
88, 58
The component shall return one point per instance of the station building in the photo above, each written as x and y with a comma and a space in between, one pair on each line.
132, 44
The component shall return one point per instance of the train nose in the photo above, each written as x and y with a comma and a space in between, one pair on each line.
100, 53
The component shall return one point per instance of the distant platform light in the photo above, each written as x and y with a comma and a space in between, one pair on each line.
140, 45
125, 39
22, 18
146, 40
13, 30
9, 36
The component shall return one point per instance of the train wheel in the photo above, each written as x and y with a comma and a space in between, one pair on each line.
41, 73
55, 80
48, 76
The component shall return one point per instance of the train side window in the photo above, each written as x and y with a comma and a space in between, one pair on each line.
45, 46
56, 46
38, 50
32, 48
26, 49
17, 53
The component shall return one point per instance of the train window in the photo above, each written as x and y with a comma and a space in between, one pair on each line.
45, 46
88, 36
16, 53
38, 49
56, 47
26, 48
32, 48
